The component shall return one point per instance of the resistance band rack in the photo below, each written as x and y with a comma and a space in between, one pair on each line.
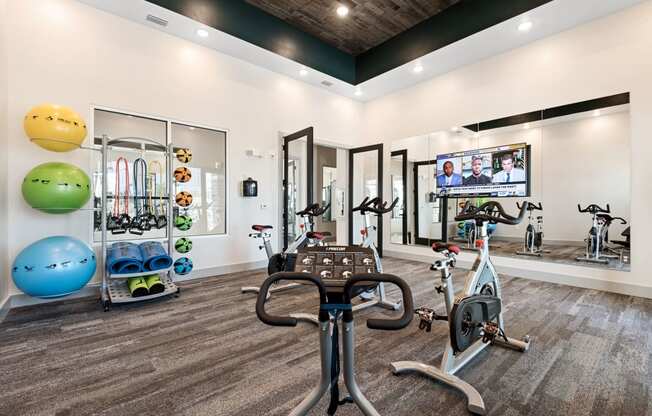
114, 288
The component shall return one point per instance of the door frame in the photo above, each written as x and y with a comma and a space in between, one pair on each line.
379, 232
308, 133
404, 171
443, 209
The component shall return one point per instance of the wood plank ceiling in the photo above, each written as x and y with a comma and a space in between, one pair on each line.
369, 23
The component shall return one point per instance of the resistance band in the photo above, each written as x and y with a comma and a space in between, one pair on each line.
116, 202
140, 186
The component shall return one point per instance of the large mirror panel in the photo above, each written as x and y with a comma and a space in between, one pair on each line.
559, 158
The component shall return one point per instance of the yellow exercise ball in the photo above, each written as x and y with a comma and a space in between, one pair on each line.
54, 127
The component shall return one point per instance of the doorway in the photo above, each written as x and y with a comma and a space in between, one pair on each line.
365, 181
298, 180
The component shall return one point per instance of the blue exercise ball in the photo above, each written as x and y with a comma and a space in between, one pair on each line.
53, 267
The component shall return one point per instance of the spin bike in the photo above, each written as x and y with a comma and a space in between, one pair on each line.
532, 246
285, 260
475, 317
340, 274
374, 296
598, 237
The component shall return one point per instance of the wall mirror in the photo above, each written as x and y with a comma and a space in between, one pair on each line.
576, 154
329, 175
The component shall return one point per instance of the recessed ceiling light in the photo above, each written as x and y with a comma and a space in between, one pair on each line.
596, 113
358, 93
303, 72
342, 11
525, 26
418, 68
202, 33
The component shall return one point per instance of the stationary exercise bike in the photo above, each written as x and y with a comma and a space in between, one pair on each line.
375, 296
475, 317
532, 246
598, 237
285, 261
338, 273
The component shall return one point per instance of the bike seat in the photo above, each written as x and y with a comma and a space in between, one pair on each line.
261, 228
440, 247
318, 235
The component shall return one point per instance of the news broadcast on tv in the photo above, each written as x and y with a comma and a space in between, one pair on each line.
500, 171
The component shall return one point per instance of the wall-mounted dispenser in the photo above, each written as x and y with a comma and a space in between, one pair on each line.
249, 188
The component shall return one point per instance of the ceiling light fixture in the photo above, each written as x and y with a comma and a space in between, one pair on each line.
202, 33
342, 11
525, 26
303, 72
418, 68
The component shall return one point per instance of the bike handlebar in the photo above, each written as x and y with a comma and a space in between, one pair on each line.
594, 209
375, 206
492, 212
609, 219
275, 320
531, 206
313, 210
382, 324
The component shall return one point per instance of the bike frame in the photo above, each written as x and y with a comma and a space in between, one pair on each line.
483, 272
380, 299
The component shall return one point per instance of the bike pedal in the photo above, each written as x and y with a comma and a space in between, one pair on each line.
439, 289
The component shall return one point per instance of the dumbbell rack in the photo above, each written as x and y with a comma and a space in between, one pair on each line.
114, 287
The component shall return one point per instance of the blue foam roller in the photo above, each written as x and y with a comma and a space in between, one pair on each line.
124, 258
154, 256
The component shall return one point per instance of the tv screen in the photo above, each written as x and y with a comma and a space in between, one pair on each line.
501, 171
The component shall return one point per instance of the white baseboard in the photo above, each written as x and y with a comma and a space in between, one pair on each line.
568, 275
221, 270
21, 299
4, 308
93, 289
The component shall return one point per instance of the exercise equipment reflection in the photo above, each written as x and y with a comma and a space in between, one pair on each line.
598, 238
533, 242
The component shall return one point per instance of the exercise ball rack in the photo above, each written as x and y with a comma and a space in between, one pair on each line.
114, 288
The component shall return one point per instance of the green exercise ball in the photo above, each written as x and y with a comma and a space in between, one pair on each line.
56, 188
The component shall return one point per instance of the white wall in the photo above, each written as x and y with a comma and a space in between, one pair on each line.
4, 259
65, 52
604, 57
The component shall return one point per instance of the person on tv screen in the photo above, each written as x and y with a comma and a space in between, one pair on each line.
477, 177
509, 173
449, 177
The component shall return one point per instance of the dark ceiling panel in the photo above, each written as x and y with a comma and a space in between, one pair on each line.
455, 23
368, 24
255, 26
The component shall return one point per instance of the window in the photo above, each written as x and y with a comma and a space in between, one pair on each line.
207, 166
208, 183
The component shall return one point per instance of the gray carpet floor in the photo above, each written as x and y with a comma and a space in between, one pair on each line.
206, 353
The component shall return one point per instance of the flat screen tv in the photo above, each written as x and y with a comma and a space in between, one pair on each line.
501, 171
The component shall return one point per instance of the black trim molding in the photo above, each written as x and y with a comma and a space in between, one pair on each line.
553, 112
